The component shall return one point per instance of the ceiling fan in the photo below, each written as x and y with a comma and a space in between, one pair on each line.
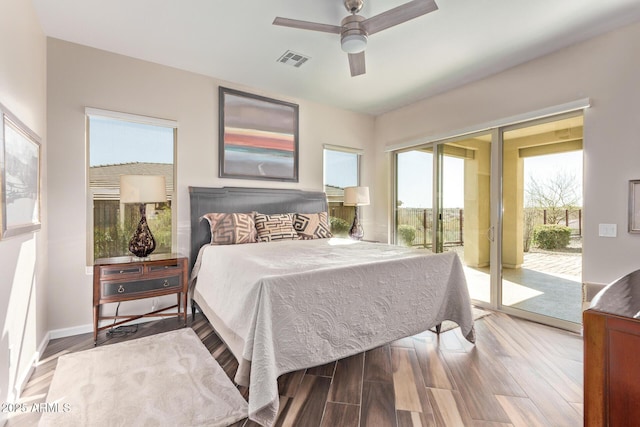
354, 29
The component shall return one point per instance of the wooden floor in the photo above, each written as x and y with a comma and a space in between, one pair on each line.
519, 373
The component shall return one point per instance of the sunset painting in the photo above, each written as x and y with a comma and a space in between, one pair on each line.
258, 137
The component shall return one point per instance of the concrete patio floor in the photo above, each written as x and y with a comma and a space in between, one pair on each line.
548, 283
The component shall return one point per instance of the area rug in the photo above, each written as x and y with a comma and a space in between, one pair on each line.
169, 379
447, 325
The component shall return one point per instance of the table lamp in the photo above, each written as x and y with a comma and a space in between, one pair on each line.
356, 196
142, 189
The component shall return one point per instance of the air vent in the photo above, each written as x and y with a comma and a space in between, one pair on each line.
294, 59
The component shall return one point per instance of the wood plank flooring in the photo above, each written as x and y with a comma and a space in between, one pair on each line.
519, 373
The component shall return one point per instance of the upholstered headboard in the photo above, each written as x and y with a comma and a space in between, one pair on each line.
239, 199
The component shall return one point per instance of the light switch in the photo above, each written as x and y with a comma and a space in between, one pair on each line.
607, 230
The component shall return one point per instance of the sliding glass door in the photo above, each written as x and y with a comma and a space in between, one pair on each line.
414, 198
498, 198
541, 244
464, 208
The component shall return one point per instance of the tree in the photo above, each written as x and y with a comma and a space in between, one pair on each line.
555, 194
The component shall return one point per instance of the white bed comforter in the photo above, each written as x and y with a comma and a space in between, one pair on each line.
298, 304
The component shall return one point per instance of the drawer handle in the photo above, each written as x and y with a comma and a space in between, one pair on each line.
120, 289
166, 283
122, 271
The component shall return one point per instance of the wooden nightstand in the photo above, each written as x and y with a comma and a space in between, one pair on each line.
130, 278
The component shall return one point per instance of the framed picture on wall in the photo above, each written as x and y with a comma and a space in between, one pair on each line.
258, 137
634, 206
20, 167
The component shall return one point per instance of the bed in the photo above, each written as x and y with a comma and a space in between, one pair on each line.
287, 305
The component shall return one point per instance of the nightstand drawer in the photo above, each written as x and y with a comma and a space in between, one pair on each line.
166, 268
110, 289
116, 271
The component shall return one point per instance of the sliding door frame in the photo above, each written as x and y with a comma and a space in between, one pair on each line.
529, 315
495, 231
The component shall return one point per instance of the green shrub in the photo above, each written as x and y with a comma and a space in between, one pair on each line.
407, 234
551, 236
160, 226
339, 226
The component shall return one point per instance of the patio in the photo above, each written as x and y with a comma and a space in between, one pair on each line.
549, 283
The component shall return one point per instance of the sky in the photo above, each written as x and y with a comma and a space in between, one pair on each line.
415, 176
344, 168
118, 141
549, 165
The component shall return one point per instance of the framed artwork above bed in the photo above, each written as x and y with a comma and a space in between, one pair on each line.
258, 137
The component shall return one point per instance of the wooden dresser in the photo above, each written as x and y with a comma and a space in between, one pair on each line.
129, 278
611, 369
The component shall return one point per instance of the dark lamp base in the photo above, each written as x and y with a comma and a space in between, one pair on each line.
356, 232
142, 244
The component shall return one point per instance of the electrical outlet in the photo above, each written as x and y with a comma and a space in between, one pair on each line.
607, 230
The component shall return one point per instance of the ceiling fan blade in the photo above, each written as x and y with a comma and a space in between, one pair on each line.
305, 25
356, 64
398, 15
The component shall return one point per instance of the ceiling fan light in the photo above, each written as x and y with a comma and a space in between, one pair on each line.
354, 43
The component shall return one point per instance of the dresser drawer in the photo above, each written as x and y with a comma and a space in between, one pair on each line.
117, 271
167, 268
110, 289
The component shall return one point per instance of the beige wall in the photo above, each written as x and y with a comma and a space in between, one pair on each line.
606, 70
82, 77
22, 258
47, 84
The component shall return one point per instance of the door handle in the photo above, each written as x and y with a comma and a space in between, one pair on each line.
490, 235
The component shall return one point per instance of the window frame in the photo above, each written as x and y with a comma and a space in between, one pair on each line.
132, 118
336, 148
357, 151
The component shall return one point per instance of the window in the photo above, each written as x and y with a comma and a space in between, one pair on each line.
341, 169
124, 144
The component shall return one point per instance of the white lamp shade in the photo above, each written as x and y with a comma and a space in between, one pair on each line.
356, 196
142, 189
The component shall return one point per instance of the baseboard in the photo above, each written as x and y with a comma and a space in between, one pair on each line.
68, 332
88, 328
23, 379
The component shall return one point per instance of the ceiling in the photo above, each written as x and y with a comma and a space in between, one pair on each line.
463, 41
